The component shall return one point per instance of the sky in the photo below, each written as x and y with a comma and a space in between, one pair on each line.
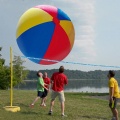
97, 32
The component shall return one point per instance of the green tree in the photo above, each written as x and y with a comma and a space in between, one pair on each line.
4, 77
2, 61
4, 73
19, 71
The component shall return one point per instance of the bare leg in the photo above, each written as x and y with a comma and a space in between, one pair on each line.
115, 113
43, 101
51, 105
36, 99
62, 108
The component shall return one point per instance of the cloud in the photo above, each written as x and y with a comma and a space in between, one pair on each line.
85, 33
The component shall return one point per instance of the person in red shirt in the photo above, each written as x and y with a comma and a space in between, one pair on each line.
47, 85
58, 80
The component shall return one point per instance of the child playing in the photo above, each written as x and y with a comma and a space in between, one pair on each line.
40, 88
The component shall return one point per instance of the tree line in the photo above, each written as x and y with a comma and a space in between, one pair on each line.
20, 73
76, 74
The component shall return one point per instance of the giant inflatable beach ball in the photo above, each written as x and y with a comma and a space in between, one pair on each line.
45, 34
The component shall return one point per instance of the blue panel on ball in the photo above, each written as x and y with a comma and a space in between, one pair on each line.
35, 41
62, 15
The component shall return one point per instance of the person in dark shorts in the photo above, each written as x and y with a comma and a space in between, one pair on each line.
40, 88
47, 85
113, 94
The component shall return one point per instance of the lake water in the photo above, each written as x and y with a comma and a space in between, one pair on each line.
88, 89
81, 85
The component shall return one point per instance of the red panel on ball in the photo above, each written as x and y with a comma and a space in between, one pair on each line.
59, 46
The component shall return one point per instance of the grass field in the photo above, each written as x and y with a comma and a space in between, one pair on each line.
79, 106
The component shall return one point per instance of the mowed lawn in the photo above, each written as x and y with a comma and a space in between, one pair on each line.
78, 106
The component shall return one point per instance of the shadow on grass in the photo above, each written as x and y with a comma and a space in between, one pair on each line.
27, 110
95, 117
